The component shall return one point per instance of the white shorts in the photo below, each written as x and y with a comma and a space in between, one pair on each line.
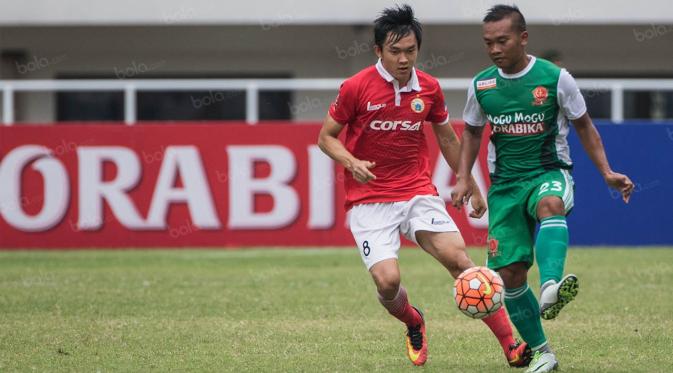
376, 227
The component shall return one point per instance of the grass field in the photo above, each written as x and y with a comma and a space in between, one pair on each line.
303, 310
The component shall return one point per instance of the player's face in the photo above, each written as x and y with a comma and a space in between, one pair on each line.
398, 58
504, 43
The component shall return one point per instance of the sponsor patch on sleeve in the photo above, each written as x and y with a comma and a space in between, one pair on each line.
486, 84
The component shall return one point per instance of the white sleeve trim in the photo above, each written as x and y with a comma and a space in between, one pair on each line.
473, 113
445, 121
570, 99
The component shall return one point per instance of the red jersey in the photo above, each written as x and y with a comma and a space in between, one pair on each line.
384, 125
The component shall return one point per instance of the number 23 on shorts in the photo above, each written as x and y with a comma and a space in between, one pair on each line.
554, 186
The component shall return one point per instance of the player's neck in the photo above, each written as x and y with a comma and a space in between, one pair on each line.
519, 66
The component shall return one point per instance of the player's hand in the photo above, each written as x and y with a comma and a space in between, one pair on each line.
478, 205
360, 170
460, 194
620, 182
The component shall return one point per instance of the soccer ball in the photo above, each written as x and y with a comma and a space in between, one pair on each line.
478, 292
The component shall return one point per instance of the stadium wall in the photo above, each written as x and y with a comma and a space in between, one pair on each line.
191, 184
644, 151
293, 51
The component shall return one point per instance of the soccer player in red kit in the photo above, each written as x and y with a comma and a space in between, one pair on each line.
387, 174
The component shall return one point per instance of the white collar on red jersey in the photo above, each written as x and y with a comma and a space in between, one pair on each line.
412, 84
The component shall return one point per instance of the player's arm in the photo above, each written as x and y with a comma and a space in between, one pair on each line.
469, 149
591, 141
449, 145
475, 120
574, 108
329, 143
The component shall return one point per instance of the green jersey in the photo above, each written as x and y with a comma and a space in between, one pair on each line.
529, 113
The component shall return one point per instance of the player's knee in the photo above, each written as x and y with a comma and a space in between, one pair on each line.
514, 275
550, 206
387, 283
388, 287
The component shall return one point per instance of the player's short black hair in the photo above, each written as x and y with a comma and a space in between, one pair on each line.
500, 11
400, 22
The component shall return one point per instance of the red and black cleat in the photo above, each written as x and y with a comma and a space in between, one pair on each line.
519, 355
417, 342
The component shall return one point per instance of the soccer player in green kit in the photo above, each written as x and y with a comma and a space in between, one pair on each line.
529, 103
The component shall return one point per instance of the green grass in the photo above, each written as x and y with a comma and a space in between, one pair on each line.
303, 310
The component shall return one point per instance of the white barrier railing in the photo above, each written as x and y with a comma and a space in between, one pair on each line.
616, 87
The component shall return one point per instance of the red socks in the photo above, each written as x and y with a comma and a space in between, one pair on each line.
499, 325
402, 310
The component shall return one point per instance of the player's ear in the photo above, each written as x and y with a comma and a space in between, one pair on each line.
524, 38
378, 51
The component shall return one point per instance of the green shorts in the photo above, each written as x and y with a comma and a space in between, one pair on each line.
512, 216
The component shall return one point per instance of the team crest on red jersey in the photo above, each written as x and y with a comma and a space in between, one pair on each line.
540, 93
417, 105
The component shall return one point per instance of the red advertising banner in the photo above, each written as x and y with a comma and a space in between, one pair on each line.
176, 185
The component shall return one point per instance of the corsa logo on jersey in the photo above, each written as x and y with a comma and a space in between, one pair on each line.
392, 125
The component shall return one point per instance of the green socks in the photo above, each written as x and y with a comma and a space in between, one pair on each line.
524, 311
551, 247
